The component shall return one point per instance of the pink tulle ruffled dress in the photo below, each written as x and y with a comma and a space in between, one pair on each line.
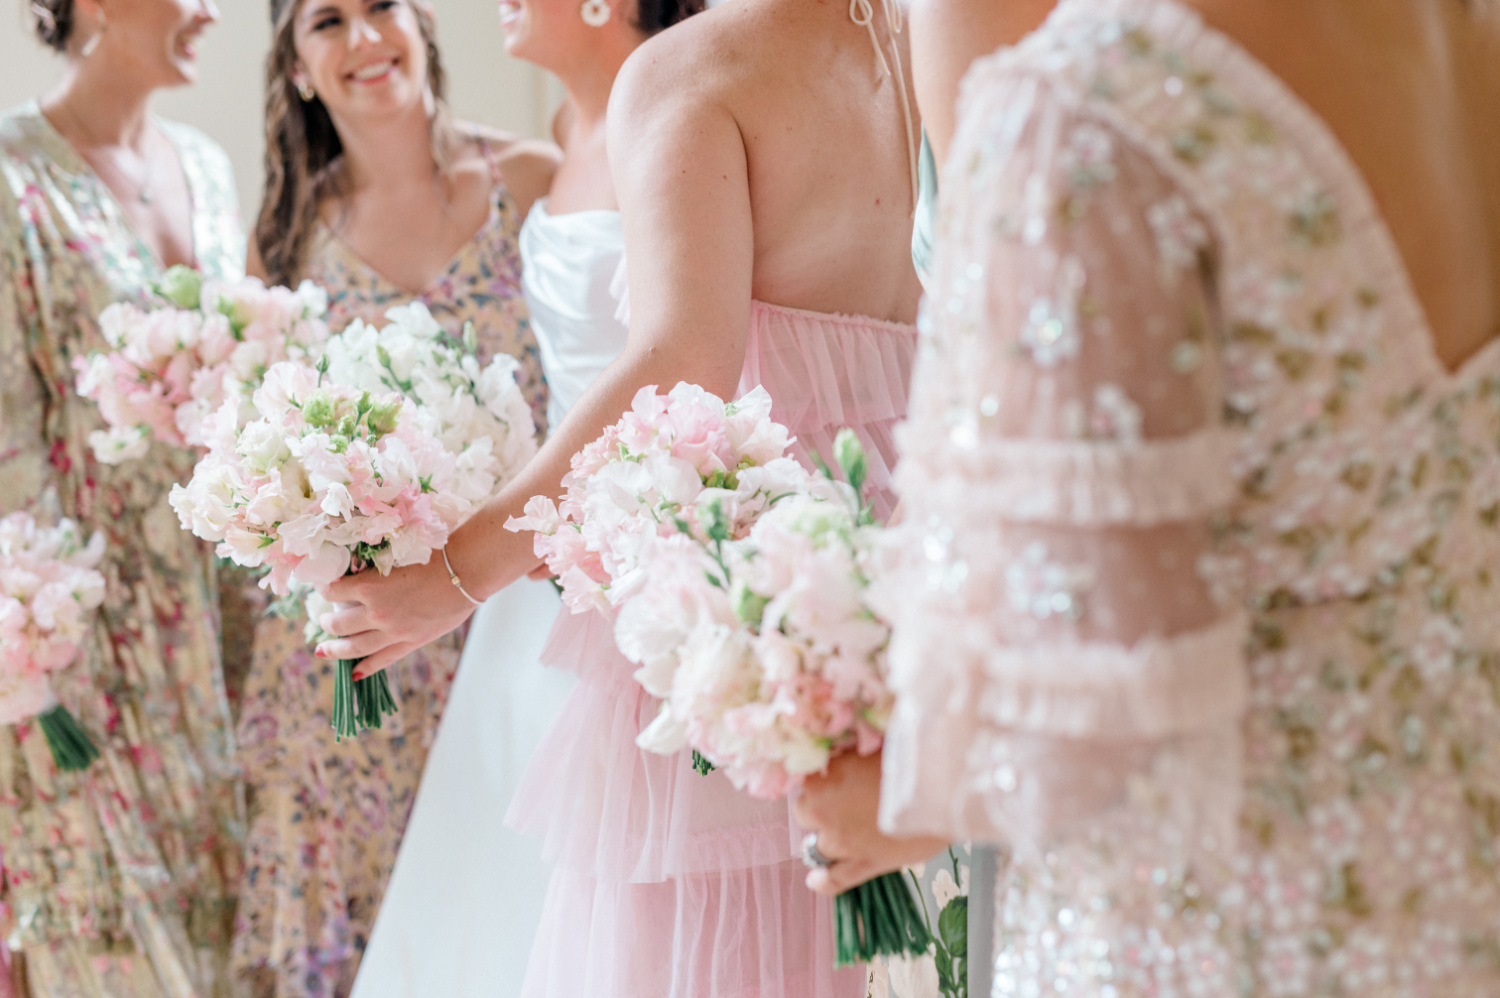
669, 884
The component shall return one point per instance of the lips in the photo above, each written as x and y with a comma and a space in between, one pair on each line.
510, 13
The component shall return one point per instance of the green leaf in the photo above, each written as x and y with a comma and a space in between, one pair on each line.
953, 926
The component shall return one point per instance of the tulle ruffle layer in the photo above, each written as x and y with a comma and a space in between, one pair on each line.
743, 933
605, 808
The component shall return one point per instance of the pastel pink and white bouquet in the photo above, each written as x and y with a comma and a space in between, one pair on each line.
652, 475
332, 477
48, 591
171, 366
769, 660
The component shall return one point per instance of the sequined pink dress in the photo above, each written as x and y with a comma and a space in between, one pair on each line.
669, 884
1201, 613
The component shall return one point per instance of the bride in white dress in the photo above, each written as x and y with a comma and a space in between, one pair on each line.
466, 895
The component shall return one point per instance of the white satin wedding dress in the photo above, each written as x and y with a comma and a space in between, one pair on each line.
466, 895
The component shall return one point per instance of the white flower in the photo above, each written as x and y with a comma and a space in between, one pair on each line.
945, 888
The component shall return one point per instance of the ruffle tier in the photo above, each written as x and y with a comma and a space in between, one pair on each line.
756, 933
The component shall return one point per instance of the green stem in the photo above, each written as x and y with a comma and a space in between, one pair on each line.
72, 750
359, 704
878, 918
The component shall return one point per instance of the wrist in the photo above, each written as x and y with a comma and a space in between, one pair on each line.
456, 580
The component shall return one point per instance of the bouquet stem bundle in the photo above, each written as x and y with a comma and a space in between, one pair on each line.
359, 703
72, 750
878, 918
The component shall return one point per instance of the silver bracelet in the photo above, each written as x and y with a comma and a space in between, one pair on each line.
453, 578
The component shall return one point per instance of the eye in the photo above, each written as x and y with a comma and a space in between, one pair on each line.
324, 21
382, 6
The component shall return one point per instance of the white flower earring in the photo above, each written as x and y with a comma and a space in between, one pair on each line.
595, 13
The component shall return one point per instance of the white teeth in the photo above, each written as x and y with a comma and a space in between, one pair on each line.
373, 71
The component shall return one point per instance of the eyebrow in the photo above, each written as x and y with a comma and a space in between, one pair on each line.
312, 13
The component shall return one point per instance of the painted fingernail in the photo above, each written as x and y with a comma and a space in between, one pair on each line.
318, 651
358, 675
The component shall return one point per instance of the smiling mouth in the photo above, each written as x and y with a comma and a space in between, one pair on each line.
509, 11
374, 71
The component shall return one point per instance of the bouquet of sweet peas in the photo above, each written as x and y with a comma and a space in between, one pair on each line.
171, 366
334, 476
769, 661
48, 589
739, 583
652, 475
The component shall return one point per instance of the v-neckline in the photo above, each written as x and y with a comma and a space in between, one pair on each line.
433, 284
82, 167
1417, 336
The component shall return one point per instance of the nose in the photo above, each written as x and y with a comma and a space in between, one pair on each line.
208, 12
362, 32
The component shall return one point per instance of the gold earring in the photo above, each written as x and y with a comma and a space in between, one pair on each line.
306, 92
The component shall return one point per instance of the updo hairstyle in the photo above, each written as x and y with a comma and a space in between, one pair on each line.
54, 22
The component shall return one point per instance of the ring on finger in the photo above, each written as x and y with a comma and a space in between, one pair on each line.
812, 858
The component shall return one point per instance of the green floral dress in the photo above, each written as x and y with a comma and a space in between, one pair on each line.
118, 881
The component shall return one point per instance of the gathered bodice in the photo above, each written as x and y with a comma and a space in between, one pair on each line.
825, 372
572, 265
1201, 533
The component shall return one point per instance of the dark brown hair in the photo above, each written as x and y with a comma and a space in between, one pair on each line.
54, 22
652, 16
303, 149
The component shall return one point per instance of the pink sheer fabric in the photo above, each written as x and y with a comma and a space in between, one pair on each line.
1195, 607
670, 884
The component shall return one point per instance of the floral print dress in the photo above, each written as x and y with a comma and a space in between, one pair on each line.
1200, 615
119, 880
327, 816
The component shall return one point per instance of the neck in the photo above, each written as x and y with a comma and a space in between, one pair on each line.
396, 153
589, 80
97, 104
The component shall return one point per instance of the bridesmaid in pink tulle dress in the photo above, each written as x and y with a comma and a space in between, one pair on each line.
762, 153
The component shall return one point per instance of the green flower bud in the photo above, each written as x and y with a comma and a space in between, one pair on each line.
182, 286
749, 606
318, 410
383, 413
850, 454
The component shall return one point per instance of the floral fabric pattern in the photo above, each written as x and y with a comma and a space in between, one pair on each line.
327, 816
1215, 652
119, 880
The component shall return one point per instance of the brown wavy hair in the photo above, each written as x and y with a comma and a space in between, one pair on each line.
304, 152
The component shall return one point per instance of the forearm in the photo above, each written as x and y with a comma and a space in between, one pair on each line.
486, 556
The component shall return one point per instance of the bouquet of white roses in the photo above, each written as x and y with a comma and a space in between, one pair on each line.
769, 660
48, 588
171, 366
651, 475
340, 472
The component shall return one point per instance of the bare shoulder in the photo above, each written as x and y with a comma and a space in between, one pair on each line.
526, 166
700, 62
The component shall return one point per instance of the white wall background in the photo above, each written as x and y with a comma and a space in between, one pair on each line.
484, 84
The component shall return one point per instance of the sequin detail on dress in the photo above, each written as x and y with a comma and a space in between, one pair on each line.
1304, 533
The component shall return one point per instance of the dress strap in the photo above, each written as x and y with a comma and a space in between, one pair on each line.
862, 13
489, 157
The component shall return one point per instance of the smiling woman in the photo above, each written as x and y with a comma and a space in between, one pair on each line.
375, 193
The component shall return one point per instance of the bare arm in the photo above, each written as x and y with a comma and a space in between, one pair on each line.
948, 35
680, 174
